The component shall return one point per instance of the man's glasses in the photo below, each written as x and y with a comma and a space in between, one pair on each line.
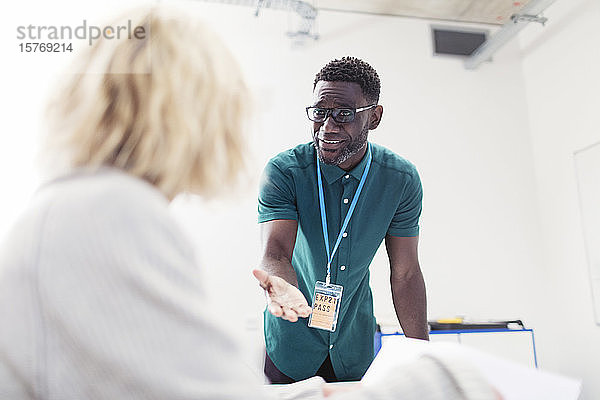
339, 115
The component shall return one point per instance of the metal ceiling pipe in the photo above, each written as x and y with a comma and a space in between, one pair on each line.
529, 13
305, 10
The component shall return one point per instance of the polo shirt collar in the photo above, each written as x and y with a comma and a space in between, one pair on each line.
332, 172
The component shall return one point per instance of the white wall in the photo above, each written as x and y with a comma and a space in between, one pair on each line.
467, 132
560, 66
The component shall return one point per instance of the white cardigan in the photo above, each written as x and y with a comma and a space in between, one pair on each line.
100, 298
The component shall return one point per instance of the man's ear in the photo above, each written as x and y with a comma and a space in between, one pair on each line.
375, 117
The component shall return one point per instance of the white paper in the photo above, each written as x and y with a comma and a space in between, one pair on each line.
308, 389
512, 380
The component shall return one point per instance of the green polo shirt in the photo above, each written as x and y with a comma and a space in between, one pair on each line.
389, 204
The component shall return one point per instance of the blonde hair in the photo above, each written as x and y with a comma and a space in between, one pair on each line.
168, 108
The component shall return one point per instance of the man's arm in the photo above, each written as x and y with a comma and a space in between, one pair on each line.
277, 276
408, 286
278, 238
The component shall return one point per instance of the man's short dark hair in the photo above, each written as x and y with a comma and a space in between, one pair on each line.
352, 69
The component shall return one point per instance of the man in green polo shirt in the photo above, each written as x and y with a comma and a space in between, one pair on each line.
354, 194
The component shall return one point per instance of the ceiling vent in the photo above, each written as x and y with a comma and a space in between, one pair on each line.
455, 41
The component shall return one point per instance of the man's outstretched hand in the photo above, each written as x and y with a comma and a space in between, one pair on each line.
283, 299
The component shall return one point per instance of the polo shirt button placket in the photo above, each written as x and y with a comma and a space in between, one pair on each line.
344, 235
344, 250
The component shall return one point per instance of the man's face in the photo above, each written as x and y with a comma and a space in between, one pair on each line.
341, 144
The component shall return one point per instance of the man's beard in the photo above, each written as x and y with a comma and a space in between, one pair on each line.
346, 152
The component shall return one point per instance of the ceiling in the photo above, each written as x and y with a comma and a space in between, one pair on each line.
495, 12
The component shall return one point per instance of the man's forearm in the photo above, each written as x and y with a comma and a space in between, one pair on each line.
281, 267
278, 238
410, 302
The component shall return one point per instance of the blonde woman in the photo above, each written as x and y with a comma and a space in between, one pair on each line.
99, 292
100, 296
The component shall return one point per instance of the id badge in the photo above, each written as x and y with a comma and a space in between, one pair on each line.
325, 306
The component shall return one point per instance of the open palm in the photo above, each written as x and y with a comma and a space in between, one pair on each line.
283, 299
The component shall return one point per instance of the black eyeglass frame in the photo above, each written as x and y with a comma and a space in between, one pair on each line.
334, 112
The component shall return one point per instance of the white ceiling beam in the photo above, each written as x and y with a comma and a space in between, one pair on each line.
510, 29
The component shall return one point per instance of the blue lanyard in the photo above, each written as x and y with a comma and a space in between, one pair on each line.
348, 215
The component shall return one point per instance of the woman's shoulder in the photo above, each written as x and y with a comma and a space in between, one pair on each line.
105, 203
106, 211
104, 188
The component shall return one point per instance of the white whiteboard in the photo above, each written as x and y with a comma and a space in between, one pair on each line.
587, 165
